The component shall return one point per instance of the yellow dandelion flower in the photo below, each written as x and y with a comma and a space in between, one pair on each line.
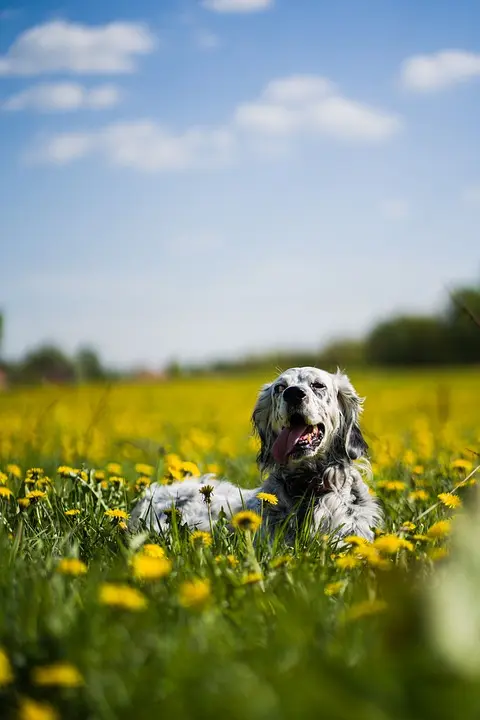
371, 556
116, 514
142, 482
459, 464
391, 485
246, 520
173, 461
99, 475
5, 492
347, 562
58, 674
143, 469
122, 596
421, 495
355, 540
154, 551
14, 470
391, 544
268, 498
418, 470
114, 468
33, 474
334, 588
194, 593
23, 502
36, 495
189, 468
199, 538
34, 710
252, 578
43, 484
117, 480
6, 672
439, 529
421, 538
173, 474
65, 471
146, 567
72, 512
449, 500
366, 608
408, 526
71, 566
3, 478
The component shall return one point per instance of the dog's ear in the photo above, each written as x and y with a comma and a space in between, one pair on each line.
262, 426
353, 442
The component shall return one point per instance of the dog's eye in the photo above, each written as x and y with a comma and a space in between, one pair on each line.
279, 388
317, 385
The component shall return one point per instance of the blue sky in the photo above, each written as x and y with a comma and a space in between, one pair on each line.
199, 179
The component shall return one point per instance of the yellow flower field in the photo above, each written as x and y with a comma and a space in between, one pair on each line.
95, 623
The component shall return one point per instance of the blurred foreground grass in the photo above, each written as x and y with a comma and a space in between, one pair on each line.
96, 624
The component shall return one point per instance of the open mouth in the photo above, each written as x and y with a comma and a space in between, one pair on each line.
297, 439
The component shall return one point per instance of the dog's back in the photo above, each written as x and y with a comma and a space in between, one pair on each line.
196, 510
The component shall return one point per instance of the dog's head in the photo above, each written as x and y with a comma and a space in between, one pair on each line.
307, 414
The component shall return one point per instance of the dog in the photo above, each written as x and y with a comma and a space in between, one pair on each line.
307, 421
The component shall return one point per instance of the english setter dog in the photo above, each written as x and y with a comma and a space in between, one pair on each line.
308, 424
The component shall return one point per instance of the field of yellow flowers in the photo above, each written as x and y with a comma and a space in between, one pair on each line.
95, 623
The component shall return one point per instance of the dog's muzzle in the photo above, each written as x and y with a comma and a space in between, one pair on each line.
297, 439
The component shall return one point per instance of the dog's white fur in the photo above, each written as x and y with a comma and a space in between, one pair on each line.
319, 486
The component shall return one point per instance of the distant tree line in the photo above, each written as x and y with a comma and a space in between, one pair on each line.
49, 364
450, 338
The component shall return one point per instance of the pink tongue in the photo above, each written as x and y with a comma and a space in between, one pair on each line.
286, 441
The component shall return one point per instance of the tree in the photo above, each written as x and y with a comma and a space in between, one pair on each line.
45, 364
88, 366
343, 353
463, 325
409, 341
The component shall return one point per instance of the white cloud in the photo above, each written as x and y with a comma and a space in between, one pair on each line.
395, 209
424, 73
289, 107
66, 96
64, 148
471, 195
237, 6
308, 103
206, 40
61, 46
143, 145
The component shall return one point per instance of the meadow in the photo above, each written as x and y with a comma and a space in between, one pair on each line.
96, 623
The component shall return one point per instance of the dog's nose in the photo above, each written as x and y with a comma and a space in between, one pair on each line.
293, 395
